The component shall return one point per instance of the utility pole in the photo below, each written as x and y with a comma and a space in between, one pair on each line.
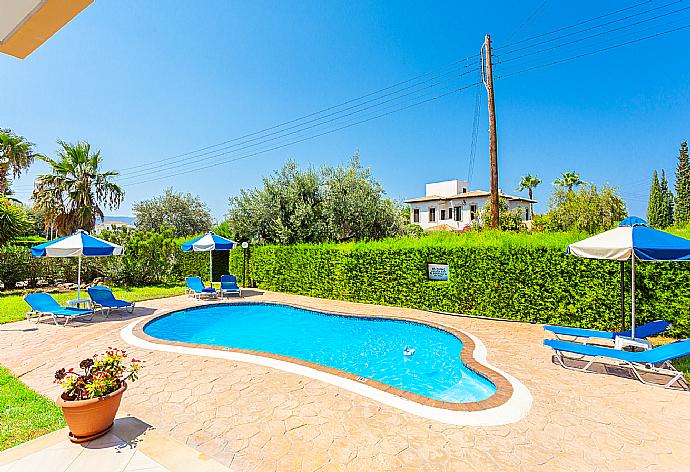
488, 79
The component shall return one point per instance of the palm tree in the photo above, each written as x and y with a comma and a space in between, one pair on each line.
16, 154
529, 182
72, 195
569, 180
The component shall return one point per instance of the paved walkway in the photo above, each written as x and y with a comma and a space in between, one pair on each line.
131, 446
250, 417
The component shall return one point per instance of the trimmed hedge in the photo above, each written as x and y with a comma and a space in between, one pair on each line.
139, 266
513, 277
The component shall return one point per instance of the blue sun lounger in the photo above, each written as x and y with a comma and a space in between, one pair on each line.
656, 360
577, 334
102, 297
196, 288
43, 304
228, 284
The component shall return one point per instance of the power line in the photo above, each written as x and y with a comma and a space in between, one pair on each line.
314, 136
278, 135
475, 133
593, 52
601, 33
527, 20
290, 141
615, 38
574, 25
301, 118
279, 131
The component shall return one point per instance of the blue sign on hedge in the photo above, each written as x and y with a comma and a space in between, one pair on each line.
438, 272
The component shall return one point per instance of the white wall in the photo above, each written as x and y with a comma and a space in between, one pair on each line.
449, 220
446, 188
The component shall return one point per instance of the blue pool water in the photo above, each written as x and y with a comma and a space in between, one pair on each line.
366, 347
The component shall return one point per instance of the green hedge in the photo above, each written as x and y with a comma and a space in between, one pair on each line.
526, 278
149, 258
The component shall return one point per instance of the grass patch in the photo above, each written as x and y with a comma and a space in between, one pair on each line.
13, 307
24, 414
471, 239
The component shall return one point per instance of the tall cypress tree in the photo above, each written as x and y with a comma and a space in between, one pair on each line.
682, 199
666, 214
655, 205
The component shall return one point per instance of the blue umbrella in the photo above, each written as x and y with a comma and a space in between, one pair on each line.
78, 244
209, 242
633, 239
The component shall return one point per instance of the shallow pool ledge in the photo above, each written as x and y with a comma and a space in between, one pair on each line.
510, 410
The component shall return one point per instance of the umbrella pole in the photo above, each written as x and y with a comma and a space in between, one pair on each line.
622, 295
633, 295
79, 279
210, 266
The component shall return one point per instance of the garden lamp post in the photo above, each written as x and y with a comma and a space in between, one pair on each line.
245, 246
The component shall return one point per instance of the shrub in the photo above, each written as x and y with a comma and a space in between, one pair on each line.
526, 277
14, 220
150, 257
14, 265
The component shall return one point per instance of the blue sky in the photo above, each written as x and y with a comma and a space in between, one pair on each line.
144, 81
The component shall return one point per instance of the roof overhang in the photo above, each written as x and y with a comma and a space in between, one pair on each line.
27, 24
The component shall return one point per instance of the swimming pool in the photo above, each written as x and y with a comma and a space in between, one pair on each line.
372, 348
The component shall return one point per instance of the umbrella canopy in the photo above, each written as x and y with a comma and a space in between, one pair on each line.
209, 242
78, 244
631, 238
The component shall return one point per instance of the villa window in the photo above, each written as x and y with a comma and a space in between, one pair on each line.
432, 215
526, 214
473, 212
443, 215
458, 213
464, 190
415, 215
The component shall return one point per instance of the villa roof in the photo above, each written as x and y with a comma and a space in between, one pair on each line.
470, 194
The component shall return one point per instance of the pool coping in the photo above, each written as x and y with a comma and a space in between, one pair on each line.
508, 404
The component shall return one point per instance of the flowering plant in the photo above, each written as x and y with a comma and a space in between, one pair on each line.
103, 374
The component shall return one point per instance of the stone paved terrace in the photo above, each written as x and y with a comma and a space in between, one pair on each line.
250, 418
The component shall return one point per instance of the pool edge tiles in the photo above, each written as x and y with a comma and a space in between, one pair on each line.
508, 404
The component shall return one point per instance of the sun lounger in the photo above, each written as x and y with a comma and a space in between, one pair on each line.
103, 298
655, 361
577, 334
228, 284
195, 288
43, 304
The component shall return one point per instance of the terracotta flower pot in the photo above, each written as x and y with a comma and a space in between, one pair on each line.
91, 419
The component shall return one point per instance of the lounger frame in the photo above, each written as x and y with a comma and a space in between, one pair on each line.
231, 292
194, 294
107, 310
37, 315
665, 368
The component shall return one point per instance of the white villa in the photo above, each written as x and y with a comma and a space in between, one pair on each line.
450, 205
112, 225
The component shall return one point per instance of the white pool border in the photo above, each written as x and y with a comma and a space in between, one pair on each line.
513, 410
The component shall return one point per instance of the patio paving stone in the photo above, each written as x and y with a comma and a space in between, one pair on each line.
251, 417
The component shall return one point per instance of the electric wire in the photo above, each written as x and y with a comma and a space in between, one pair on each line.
260, 137
235, 159
194, 160
319, 112
475, 133
503, 76
601, 33
607, 40
575, 25
527, 20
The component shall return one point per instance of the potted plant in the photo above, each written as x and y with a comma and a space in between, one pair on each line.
91, 399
